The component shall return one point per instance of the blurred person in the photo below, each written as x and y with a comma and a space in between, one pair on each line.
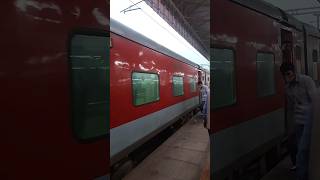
204, 101
300, 90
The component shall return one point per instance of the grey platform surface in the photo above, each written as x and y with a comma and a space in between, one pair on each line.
183, 156
281, 171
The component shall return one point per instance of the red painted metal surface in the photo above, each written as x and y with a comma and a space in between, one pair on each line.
237, 30
126, 57
36, 133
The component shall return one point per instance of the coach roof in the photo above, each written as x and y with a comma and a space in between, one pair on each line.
271, 11
261, 7
292, 21
122, 30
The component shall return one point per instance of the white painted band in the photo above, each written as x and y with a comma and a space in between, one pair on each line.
127, 134
231, 144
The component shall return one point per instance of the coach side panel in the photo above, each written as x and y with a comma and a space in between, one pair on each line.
247, 110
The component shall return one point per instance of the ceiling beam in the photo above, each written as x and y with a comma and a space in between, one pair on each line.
305, 13
304, 9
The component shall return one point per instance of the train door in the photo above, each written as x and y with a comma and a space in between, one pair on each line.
298, 59
287, 46
318, 65
298, 51
199, 76
203, 78
315, 54
316, 60
287, 56
312, 50
199, 80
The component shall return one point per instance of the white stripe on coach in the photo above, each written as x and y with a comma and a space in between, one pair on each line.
233, 143
129, 133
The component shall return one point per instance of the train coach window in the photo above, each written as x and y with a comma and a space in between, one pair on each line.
315, 55
222, 65
177, 85
145, 88
193, 85
88, 62
265, 74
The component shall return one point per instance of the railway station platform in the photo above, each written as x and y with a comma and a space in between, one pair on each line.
183, 156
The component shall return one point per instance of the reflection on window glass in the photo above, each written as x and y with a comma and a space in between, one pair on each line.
145, 88
192, 82
265, 74
177, 85
88, 62
222, 67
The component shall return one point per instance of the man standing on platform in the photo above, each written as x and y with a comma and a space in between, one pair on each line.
204, 99
300, 91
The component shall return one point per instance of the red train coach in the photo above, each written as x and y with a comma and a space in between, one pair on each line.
247, 112
151, 87
54, 101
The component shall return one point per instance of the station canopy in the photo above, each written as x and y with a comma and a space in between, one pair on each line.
307, 11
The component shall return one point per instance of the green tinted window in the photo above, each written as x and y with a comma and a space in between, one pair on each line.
265, 74
89, 56
145, 88
177, 85
222, 68
192, 82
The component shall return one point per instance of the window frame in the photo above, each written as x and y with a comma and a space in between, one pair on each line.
132, 92
235, 73
173, 85
274, 74
71, 35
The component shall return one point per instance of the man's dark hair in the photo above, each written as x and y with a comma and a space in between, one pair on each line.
200, 82
286, 66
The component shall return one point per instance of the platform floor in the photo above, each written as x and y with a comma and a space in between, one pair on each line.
183, 156
281, 171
